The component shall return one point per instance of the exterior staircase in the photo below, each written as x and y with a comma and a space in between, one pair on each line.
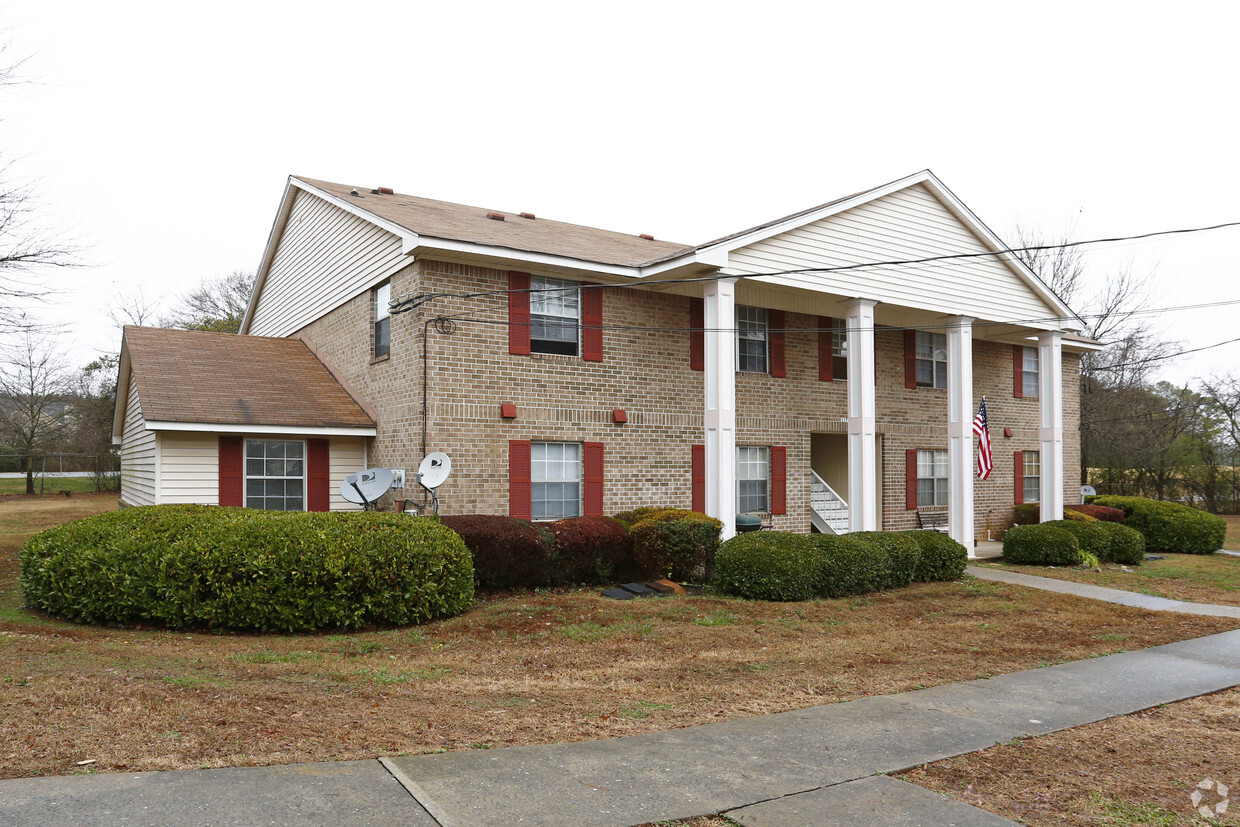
828, 512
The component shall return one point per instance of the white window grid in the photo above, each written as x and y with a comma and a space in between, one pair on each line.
839, 349
383, 319
752, 324
555, 310
931, 479
555, 477
1032, 483
931, 355
753, 475
275, 474
1029, 371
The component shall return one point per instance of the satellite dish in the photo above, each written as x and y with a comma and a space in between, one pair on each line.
1088, 491
366, 487
434, 469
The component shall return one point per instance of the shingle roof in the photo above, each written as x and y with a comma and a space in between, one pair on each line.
457, 222
225, 379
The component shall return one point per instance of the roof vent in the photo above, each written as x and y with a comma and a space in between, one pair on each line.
352, 192
646, 236
495, 216
385, 191
528, 215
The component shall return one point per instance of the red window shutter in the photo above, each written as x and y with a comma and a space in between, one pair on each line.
519, 493
232, 472
1018, 475
592, 324
779, 479
697, 336
777, 324
826, 350
1018, 368
910, 478
318, 475
698, 477
910, 358
592, 475
518, 313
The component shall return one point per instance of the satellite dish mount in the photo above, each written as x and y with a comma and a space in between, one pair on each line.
432, 473
365, 488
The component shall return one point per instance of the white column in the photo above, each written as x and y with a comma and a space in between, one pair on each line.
720, 364
862, 462
1050, 404
960, 431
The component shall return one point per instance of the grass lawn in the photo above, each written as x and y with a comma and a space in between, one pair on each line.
522, 668
1232, 541
50, 485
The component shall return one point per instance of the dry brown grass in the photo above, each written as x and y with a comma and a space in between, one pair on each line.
517, 669
1232, 540
1137, 769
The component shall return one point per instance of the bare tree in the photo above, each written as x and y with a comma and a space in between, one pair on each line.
216, 304
130, 305
33, 387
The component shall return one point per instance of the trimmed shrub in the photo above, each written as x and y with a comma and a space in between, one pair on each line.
236, 568
1125, 546
942, 558
903, 552
1078, 516
1172, 527
849, 564
589, 549
1041, 545
673, 540
767, 565
628, 518
1091, 537
1027, 514
508, 553
1098, 512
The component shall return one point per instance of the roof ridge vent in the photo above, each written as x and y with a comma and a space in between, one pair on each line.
528, 215
646, 236
495, 216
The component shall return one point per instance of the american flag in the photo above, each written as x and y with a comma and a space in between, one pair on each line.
981, 427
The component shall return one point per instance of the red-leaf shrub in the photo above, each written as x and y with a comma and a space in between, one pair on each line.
589, 550
508, 552
1099, 512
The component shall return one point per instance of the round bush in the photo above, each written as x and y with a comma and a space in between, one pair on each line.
1125, 546
674, 541
1040, 545
1172, 527
767, 565
1077, 516
903, 552
1027, 514
508, 553
942, 558
1091, 537
849, 564
235, 568
589, 549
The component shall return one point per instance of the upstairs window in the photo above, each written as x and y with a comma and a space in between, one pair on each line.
752, 326
1029, 373
1032, 482
275, 474
931, 478
555, 316
931, 355
383, 320
839, 349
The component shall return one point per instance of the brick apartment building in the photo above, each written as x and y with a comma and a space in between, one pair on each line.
817, 369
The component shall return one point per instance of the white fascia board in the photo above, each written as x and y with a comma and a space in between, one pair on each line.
210, 427
420, 243
717, 258
122, 394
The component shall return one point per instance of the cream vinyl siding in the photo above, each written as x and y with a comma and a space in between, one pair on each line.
139, 453
190, 468
325, 257
908, 224
347, 456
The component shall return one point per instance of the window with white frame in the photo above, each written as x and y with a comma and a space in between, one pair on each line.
1033, 477
931, 360
555, 316
751, 330
753, 479
555, 476
1029, 371
931, 478
275, 474
383, 320
839, 349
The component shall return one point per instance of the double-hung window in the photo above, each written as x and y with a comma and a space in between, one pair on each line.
931, 360
383, 320
275, 474
555, 316
931, 478
1029, 371
839, 349
751, 336
1033, 477
555, 477
753, 479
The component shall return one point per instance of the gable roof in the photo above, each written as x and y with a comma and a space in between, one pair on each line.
197, 378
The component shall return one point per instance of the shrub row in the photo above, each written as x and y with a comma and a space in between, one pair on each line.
776, 565
1072, 542
235, 568
1172, 527
1098, 512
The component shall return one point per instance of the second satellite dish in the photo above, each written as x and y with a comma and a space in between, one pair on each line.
434, 470
367, 486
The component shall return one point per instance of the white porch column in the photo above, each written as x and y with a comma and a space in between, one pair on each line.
1050, 403
862, 463
960, 431
720, 365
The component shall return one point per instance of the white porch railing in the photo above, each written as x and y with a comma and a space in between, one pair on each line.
827, 510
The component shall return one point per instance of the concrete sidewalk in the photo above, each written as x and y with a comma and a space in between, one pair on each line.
814, 766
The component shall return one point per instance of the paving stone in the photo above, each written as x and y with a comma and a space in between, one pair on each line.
639, 589
877, 801
617, 593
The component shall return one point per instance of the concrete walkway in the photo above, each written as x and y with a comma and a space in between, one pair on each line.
815, 766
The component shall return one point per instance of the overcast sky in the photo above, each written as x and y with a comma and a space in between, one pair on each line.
161, 134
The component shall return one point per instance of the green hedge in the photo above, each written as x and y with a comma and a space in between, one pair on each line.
1027, 514
1126, 545
672, 541
942, 558
1090, 536
1172, 527
902, 553
235, 568
1041, 545
767, 565
849, 564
